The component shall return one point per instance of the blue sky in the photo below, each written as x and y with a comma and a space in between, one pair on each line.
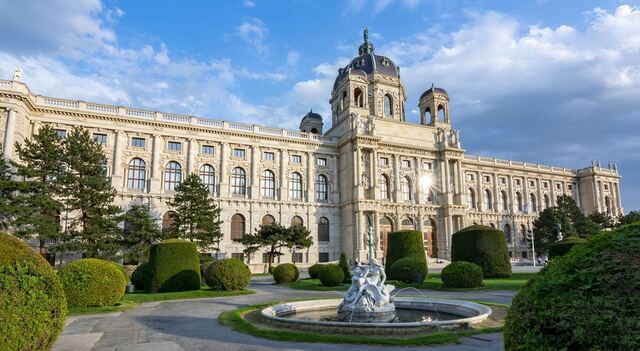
554, 82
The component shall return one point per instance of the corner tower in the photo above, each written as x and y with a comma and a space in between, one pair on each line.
368, 86
434, 106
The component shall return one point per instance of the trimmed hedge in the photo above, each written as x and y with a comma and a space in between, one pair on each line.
314, 271
285, 273
345, 267
227, 274
33, 306
585, 300
484, 246
331, 275
139, 275
173, 266
407, 269
404, 243
123, 270
461, 274
92, 283
561, 248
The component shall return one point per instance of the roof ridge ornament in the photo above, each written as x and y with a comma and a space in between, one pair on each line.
366, 47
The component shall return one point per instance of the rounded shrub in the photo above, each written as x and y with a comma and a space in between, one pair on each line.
561, 248
285, 273
461, 274
227, 274
173, 266
92, 283
122, 270
404, 243
585, 300
331, 275
139, 275
33, 306
410, 269
314, 271
484, 246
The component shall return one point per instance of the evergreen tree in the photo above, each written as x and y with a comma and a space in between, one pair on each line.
275, 237
35, 207
345, 268
140, 231
89, 198
195, 215
631, 217
7, 187
602, 219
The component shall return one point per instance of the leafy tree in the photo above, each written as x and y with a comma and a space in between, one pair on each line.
89, 198
275, 237
299, 238
140, 231
603, 219
36, 206
195, 215
631, 217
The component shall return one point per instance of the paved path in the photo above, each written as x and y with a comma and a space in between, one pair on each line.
192, 325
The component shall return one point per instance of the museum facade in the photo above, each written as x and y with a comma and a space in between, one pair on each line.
370, 162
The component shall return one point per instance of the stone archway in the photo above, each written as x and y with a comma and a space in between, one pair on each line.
386, 226
430, 237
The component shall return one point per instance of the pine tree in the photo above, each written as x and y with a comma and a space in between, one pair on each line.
602, 219
195, 215
140, 231
89, 198
35, 207
7, 187
631, 217
275, 237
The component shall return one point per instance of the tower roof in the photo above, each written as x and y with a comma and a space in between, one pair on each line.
433, 90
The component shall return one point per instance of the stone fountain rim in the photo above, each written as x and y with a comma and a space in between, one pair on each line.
482, 312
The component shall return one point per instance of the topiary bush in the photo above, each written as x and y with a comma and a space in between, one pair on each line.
585, 300
92, 283
285, 273
561, 248
33, 306
227, 274
314, 271
404, 243
461, 274
408, 269
345, 267
122, 270
139, 275
484, 246
331, 275
173, 266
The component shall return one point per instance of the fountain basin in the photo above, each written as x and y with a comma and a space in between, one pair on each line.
460, 314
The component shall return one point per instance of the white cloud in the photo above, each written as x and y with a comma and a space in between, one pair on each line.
248, 3
292, 57
254, 32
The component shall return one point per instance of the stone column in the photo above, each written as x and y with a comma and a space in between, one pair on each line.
374, 175
35, 126
254, 191
9, 134
223, 178
334, 183
512, 206
357, 155
396, 179
192, 151
284, 194
156, 171
116, 169
616, 187
310, 177
418, 193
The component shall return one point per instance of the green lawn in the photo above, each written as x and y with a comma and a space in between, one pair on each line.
433, 282
130, 301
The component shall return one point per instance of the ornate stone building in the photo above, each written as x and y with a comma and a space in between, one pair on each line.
369, 162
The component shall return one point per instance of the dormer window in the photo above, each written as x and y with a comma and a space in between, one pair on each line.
388, 105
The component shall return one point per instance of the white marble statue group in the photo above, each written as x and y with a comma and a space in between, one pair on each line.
368, 292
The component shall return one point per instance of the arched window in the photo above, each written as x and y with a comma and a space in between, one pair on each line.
519, 201
172, 176
534, 203
268, 219
137, 174
547, 201
323, 229
430, 197
471, 198
385, 228
507, 233
488, 205
297, 221
237, 226
505, 201
385, 193
523, 231
321, 188
268, 184
441, 113
343, 102
295, 186
407, 223
405, 186
238, 181
358, 98
388, 105
208, 177
167, 222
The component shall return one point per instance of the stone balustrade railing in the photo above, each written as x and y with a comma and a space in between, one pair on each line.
535, 166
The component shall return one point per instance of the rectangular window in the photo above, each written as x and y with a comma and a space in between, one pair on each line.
100, 138
558, 186
384, 161
487, 179
570, 186
238, 256
606, 187
545, 185
518, 182
61, 133
296, 257
322, 162
268, 156
503, 180
239, 153
470, 177
406, 163
323, 257
524, 254
297, 159
427, 165
174, 146
265, 257
138, 142
208, 149
532, 183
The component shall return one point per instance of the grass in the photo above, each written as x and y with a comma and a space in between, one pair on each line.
236, 321
433, 282
130, 301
